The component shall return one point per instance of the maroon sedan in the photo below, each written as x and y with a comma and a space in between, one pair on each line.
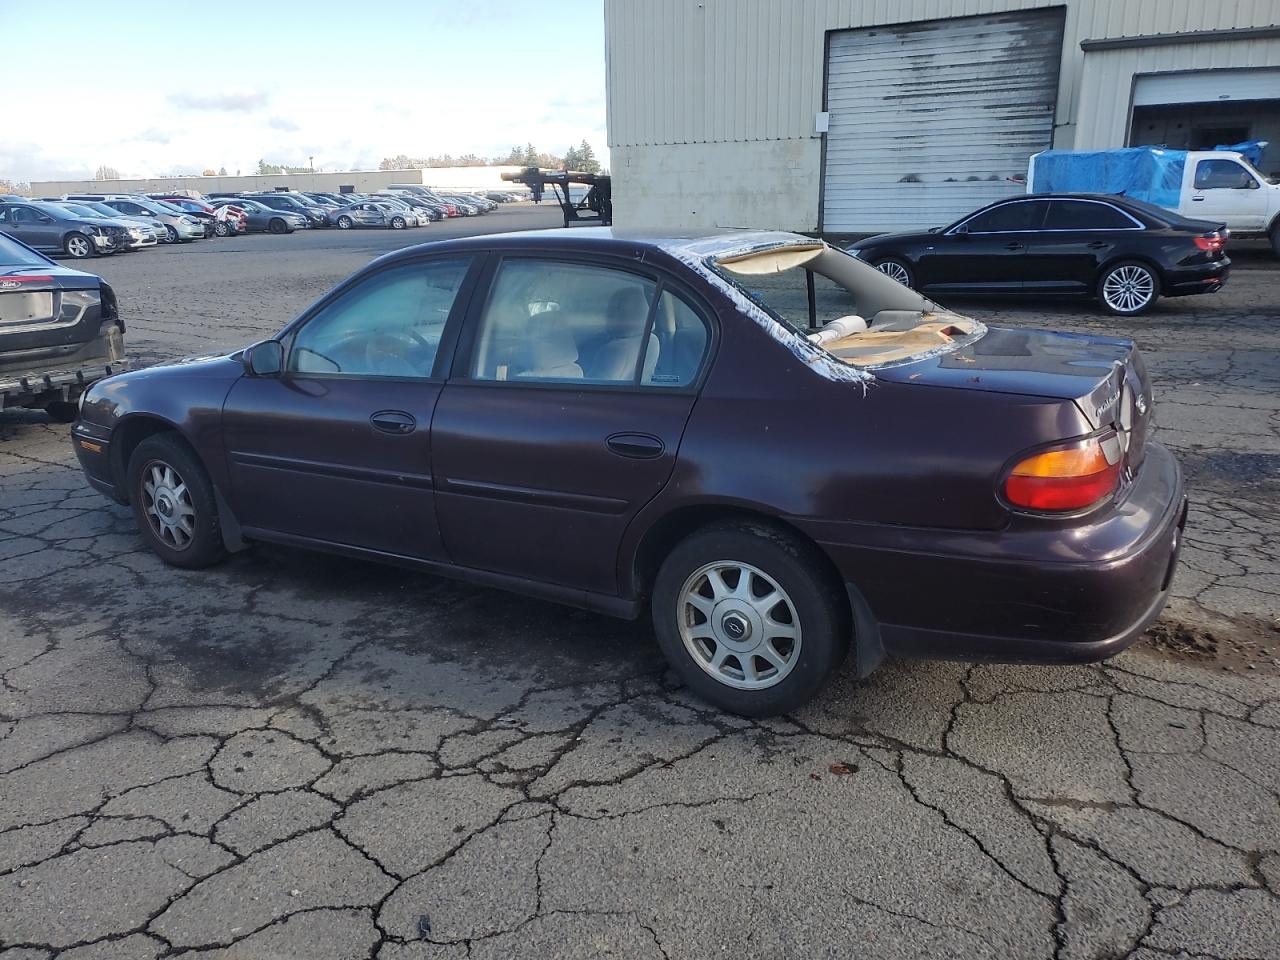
626, 423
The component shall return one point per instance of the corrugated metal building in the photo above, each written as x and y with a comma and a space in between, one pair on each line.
867, 115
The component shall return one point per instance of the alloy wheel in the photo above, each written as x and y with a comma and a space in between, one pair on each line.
1128, 288
166, 503
895, 271
79, 247
739, 625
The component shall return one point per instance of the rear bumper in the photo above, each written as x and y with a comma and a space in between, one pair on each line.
1067, 595
66, 378
1204, 278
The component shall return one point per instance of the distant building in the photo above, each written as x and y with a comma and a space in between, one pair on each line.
468, 179
854, 116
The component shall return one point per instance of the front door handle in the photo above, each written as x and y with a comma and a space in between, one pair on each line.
636, 446
395, 422
1098, 244
1197, 199
1013, 246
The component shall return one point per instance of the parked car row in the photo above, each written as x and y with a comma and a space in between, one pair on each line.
83, 225
86, 225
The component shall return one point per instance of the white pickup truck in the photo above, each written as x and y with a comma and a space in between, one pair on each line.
1223, 187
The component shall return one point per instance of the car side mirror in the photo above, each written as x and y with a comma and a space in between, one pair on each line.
265, 359
962, 230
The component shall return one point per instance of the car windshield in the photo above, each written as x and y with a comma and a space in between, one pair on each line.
81, 210
101, 209
860, 315
53, 210
14, 254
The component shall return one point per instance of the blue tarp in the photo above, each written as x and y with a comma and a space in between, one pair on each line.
1145, 173
1251, 150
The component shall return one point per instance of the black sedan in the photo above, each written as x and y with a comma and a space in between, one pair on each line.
1124, 252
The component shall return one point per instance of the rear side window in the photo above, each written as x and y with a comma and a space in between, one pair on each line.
566, 322
1083, 215
388, 325
1010, 217
681, 339
1222, 175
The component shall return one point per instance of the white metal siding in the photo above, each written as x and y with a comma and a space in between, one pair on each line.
1105, 93
929, 121
714, 71
1211, 86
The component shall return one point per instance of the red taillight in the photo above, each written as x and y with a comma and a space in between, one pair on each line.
1066, 478
1211, 242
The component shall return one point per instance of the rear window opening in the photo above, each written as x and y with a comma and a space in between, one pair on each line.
843, 306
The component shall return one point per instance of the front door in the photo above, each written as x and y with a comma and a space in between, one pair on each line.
565, 418
985, 252
1224, 191
337, 448
34, 228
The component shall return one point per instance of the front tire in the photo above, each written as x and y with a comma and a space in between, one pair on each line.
750, 617
278, 226
896, 269
1275, 238
1128, 288
220, 228
78, 246
173, 503
398, 223
171, 234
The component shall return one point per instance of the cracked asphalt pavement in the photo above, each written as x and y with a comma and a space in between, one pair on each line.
295, 755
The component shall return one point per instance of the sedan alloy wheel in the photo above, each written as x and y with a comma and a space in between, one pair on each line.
1128, 288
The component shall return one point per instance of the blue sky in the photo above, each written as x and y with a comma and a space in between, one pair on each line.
153, 88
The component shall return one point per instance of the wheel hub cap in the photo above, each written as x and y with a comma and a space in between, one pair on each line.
739, 625
166, 502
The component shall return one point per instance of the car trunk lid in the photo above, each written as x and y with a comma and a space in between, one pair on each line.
1104, 377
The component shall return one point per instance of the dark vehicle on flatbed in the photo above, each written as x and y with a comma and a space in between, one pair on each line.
626, 423
60, 330
1125, 253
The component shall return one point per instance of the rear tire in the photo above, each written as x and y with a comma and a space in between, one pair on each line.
1275, 238
78, 246
1128, 288
897, 269
173, 503
344, 222
757, 649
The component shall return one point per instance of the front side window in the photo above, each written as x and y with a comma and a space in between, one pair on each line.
1223, 175
1010, 217
1083, 215
553, 321
389, 325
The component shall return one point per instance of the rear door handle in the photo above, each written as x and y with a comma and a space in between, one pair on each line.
395, 422
1013, 246
636, 446
1098, 244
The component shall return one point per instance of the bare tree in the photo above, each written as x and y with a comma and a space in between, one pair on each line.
106, 173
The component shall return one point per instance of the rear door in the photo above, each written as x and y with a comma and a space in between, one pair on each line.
1223, 189
564, 416
1078, 237
987, 251
35, 229
338, 447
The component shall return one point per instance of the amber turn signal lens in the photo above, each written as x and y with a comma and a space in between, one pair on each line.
1067, 479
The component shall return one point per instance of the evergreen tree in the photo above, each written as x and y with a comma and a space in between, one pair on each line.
587, 161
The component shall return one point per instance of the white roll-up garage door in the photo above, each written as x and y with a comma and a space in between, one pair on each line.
1206, 86
929, 121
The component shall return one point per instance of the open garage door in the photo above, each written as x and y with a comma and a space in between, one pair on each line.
1202, 109
930, 120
